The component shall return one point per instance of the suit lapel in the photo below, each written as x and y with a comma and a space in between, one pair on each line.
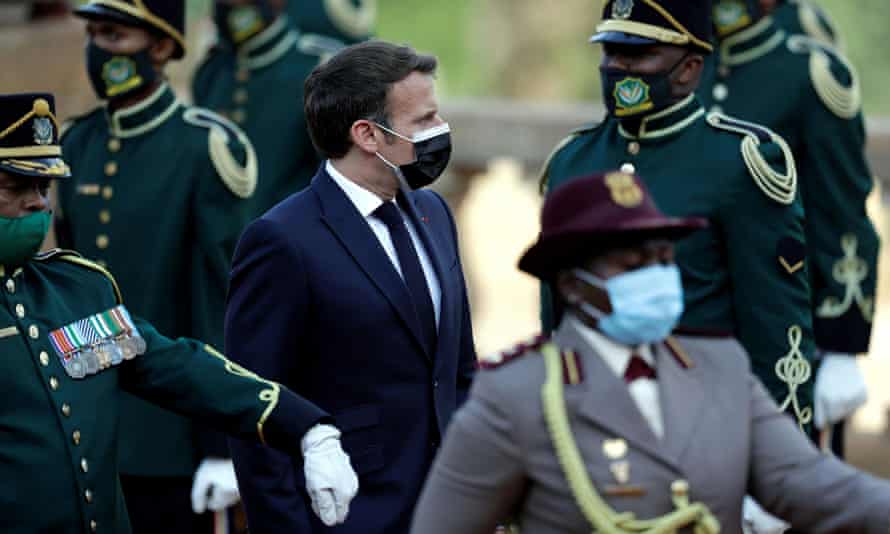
353, 232
603, 399
683, 397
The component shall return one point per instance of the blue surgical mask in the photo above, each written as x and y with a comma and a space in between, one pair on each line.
646, 303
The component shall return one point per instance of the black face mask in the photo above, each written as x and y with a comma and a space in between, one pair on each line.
236, 24
730, 16
629, 95
432, 151
116, 75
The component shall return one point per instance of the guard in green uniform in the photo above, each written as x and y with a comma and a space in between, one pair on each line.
808, 93
158, 195
803, 17
254, 75
348, 21
70, 348
745, 275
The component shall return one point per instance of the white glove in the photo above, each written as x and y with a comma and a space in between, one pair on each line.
215, 486
330, 480
756, 520
840, 389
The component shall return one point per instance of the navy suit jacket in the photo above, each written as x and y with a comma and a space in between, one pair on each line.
316, 304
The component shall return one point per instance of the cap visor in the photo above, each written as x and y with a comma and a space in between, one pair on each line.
40, 167
100, 12
621, 38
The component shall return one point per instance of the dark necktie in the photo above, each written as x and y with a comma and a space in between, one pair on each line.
412, 271
638, 368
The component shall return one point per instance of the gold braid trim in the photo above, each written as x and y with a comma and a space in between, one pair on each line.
603, 519
843, 101
794, 370
73, 257
543, 175
849, 271
779, 187
354, 21
269, 396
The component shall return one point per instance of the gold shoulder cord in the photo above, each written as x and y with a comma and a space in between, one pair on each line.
603, 519
794, 370
269, 396
241, 180
808, 16
843, 101
779, 187
355, 21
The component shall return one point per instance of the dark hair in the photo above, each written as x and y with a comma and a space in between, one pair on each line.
353, 85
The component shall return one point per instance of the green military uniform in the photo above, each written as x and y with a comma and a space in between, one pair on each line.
349, 21
809, 94
157, 195
805, 17
70, 349
259, 86
746, 274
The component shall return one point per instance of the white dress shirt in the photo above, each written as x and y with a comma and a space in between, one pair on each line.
644, 391
366, 203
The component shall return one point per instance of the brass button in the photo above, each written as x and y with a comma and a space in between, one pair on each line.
107, 192
720, 92
110, 168
88, 495
628, 168
93, 525
66, 409
239, 116
240, 96
75, 437
633, 148
84, 466
242, 75
53, 383
20, 310
44, 358
10, 286
104, 216
33, 331
102, 241
114, 144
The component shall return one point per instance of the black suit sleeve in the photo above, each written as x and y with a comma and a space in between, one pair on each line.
265, 316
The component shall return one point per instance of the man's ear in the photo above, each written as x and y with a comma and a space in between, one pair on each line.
161, 51
690, 71
363, 135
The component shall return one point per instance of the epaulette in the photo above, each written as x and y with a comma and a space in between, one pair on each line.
324, 47
240, 179
498, 359
678, 353
74, 257
574, 134
354, 19
781, 187
834, 77
71, 121
816, 23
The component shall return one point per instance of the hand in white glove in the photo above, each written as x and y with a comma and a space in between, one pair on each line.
215, 487
756, 520
840, 389
330, 480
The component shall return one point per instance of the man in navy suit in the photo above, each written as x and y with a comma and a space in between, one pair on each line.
352, 294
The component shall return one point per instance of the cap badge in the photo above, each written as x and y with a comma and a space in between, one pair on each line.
43, 131
625, 191
730, 15
631, 96
244, 22
621, 9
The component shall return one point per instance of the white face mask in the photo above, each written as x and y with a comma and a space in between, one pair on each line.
432, 151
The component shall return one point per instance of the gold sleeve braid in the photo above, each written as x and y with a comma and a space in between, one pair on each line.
602, 517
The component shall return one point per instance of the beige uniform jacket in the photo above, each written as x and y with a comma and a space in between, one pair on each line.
723, 434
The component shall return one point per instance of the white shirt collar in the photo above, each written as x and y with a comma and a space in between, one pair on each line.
616, 355
365, 201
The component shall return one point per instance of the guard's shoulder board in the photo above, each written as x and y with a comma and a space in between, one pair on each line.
240, 178
73, 257
780, 184
543, 176
833, 76
499, 359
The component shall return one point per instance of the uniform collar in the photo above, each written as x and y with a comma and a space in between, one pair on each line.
364, 201
268, 46
616, 355
668, 121
146, 115
751, 43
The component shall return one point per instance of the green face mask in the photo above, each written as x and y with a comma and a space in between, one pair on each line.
20, 238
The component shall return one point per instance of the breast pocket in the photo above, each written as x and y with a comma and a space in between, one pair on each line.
360, 426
